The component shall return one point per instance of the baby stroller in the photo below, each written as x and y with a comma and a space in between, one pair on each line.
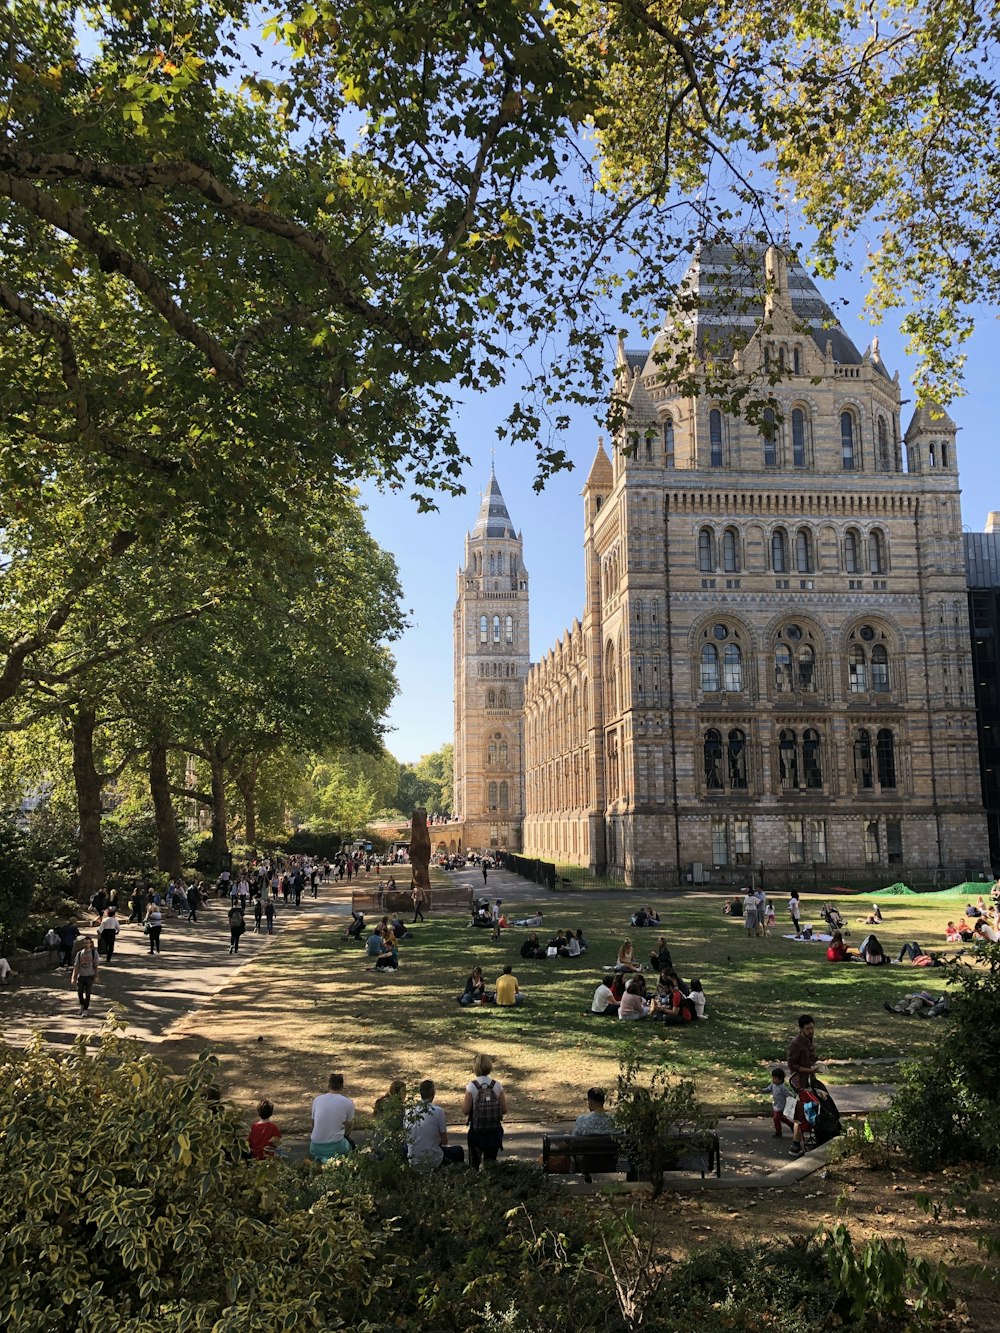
831, 915
482, 912
821, 1112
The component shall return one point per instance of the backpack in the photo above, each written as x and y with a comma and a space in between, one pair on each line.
688, 1011
486, 1109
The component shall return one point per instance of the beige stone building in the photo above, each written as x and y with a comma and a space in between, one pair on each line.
773, 663
491, 669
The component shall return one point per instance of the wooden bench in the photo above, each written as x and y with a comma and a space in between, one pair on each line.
607, 1154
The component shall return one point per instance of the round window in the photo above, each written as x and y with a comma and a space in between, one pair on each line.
867, 633
794, 632
720, 632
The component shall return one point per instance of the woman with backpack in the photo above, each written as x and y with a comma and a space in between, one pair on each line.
484, 1106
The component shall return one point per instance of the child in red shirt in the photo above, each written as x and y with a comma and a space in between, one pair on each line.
264, 1133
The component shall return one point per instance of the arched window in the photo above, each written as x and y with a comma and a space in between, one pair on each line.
732, 668
804, 551
788, 761
706, 551
857, 670
492, 796
513, 565
737, 760
713, 760
502, 699
798, 434
944, 454
885, 758
812, 766
668, 442
484, 629
715, 436
769, 437
883, 455
779, 551
876, 552
782, 669
852, 543
709, 668
796, 361
863, 775
508, 629
807, 669
503, 754
504, 796
649, 446
496, 629
848, 432
491, 698
880, 669
491, 753
731, 551
931, 456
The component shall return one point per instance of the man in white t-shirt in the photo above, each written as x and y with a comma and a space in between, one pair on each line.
332, 1119
604, 999
426, 1131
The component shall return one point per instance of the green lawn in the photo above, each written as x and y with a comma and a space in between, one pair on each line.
316, 1008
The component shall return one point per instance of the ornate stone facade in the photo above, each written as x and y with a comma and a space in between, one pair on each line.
773, 667
491, 668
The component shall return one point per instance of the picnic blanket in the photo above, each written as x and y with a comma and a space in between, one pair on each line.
816, 939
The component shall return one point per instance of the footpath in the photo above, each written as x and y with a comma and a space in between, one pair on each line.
157, 993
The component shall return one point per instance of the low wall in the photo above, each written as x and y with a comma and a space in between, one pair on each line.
26, 963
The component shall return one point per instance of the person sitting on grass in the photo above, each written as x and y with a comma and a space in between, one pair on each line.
353, 931
697, 997
558, 942
264, 1133
836, 950
388, 958
985, 932
581, 941
957, 934
573, 949
874, 917
475, 988
532, 948
618, 985
508, 991
604, 1001
661, 960
871, 951
373, 945
632, 1006
678, 1009
399, 927
627, 959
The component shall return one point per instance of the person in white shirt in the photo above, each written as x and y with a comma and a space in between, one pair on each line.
697, 997
107, 934
426, 1132
604, 999
332, 1120
573, 946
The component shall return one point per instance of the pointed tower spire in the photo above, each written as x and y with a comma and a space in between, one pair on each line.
493, 520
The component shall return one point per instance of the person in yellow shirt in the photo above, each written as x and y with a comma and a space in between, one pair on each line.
508, 991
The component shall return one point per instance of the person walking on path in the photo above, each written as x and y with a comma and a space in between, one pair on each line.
68, 934
108, 933
419, 899
269, 915
153, 926
802, 1064
237, 925
85, 972
484, 1106
484, 874
138, 907
258, 912
750, 912
194, 902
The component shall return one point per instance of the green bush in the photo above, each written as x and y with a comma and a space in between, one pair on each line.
650, 1110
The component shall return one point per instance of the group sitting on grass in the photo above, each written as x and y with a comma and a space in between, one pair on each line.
625, 996
382, 946
506, 991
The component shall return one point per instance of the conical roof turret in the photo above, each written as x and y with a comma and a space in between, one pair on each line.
493, 520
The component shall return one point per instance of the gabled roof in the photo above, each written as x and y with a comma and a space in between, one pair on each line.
493, 520
929, 419
601, 474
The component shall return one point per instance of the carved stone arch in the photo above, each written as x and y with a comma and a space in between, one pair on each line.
743, 632
883, 625
812, 631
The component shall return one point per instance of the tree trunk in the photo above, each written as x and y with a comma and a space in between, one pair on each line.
168, 843
220, 842
90, 845
246, 780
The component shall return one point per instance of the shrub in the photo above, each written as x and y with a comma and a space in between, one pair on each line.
650, 1111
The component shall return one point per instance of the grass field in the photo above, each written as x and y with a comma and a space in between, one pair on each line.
307, 1005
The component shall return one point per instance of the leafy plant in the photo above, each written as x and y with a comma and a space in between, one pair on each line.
651, 1112
884, 1283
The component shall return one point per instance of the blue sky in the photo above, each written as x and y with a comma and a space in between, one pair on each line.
428, 547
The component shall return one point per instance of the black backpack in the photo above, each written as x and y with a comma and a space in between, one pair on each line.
486, 1109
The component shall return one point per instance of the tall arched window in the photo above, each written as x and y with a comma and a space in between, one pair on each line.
944, 454
715, 437
796, 361
769, 437
504, 796
876, 552
885, 759
508, 629
496, 629
492, 796
848, 432
798, 436
812, 766
491, 753
783, 669
493, 563
880, 669
709, 668
804, 551
807, 669
713, 760
779, 551
732, 668
857, 670
737, 748
706, 551
503, 754
788, 761
731, 551
852, 551
883, 455
484, 629
668, 442
863, 775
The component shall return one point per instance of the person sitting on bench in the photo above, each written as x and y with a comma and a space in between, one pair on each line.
595, 1120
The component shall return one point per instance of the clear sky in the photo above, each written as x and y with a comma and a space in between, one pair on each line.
429, 547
